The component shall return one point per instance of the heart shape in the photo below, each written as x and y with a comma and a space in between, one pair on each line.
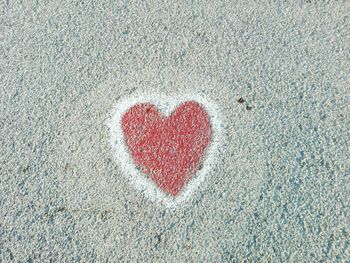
168, 149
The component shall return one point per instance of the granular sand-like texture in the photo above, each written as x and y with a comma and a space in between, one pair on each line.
281, 188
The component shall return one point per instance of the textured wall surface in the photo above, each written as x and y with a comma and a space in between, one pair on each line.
282, 190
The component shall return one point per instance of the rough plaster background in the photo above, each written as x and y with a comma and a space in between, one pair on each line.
282, 191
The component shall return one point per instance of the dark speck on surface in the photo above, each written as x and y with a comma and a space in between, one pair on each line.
240, 100
61, 209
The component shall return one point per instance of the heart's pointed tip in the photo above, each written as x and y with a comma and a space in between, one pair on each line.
171, 190
174, 193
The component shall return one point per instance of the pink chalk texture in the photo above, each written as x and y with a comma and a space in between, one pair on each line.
168, 149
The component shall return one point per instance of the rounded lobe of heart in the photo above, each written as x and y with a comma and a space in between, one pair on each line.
168, 149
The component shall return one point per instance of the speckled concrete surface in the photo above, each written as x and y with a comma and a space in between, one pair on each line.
282, 190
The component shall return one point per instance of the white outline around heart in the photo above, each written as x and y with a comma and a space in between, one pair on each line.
166, 104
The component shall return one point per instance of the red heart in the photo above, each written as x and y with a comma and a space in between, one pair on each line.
168, 149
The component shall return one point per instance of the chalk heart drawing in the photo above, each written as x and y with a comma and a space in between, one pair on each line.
168, 149
165, 144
